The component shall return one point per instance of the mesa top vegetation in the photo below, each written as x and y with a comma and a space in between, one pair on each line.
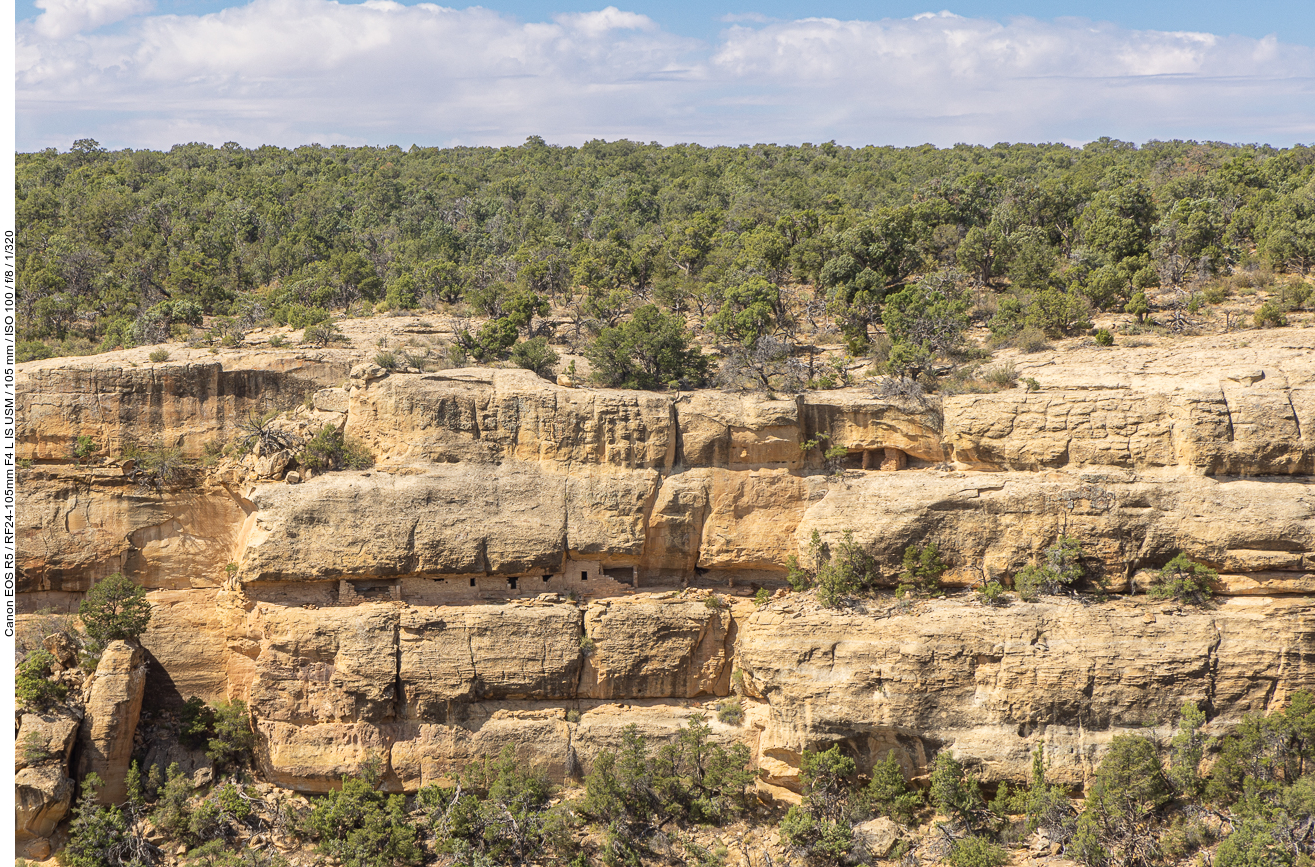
122, 248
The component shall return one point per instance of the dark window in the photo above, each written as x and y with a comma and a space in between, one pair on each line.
511, 583
546, 578
584, 576
472, 582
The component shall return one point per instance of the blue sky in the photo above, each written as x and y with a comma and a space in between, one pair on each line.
150, 73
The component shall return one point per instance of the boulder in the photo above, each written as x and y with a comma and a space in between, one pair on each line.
113, 702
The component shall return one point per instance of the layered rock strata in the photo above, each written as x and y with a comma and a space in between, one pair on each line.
509, 571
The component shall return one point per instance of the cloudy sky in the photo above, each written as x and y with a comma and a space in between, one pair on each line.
152, 73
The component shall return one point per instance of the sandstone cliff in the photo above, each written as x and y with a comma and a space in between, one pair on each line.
530, 564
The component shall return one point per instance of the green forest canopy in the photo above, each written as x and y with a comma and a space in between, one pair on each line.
120, 248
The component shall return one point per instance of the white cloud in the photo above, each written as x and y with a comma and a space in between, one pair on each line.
292, 71
61, 18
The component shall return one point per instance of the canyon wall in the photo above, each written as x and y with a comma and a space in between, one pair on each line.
540, 566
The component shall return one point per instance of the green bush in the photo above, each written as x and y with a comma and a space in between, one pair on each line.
159, 355
888, 794
84, 448
847, 571
632, 791
362, 827
535, 355
956, 793
1059, 570
34, 748
821, 826
1138, 306
651, 350
1254, 842
323, 334
1270, 315
1126, 795
976, 851
492, 342
1183, 580
223, 728
1104, 337
97, 835
730, 712
922, 571
32, 684
500, 814
331, 450
115, 609
991, 593
386, 360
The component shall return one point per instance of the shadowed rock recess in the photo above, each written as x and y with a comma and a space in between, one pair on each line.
530, 564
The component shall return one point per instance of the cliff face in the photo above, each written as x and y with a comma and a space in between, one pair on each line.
425, 610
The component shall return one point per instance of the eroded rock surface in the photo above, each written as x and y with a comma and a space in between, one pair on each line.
528, 565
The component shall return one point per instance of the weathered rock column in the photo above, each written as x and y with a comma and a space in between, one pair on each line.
113, 703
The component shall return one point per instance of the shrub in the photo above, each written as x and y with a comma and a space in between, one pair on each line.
954, 792
500, 814
115, 609
535, 355
84, 447
1183, 580
730, 712
1129, 788
32, 685
34, 748
1032, 384
277, 341
331, 450
323, 334
888, 794
1295, 296
1104, 337
491, 343
1270, 315
651, 350
1031, 340
231, 741
762, 597
156, 467
820, 826
922, 570
1254, 842
572, 716
386, 360
1047, 806
631, 791
1002, 376
1060, 568
362, 827
260, 429
159, 355
586, 645
975, 851
1138, 306
1187, 750
991, 593
847, 571
97, 836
